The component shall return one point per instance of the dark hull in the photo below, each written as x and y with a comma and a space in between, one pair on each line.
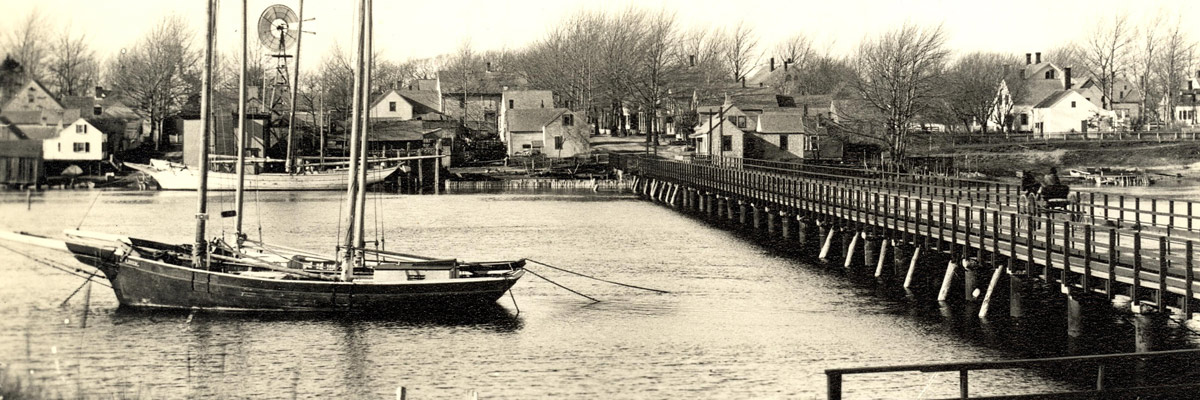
143, 283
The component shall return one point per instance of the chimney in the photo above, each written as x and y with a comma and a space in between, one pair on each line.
760, 84
785, 65
489, 66
1191, 84
691, 60
1038, 58
99, 92
772, 64
1067, 78
1028, 58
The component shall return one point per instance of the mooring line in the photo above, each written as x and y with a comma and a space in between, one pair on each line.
561, 286
89, 210
592, 277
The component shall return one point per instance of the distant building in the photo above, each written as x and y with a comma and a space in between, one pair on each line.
523, 99
65, 137
31, 96
555, 132
402, 105
1049, 101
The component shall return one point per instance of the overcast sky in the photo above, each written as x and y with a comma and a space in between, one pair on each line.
407, 29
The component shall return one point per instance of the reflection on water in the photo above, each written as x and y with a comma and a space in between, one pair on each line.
743, 320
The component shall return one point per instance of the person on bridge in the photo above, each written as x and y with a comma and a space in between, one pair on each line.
1051, 178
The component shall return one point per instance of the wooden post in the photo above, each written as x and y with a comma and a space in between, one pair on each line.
880, 265
997, 274
851, 250
1137, 268
1188, 279
948, 278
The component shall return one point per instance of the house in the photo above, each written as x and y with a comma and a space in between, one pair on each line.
224, 136
31, 96
402, 105
66, 138
786, 136
523, 99
123, 124
721, 131
555, 132
1048, 100
1184, 104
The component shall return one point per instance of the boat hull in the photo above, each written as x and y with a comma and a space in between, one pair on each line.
176, 178
151, 284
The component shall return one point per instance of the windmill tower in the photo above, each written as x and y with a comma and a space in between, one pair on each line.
278, 32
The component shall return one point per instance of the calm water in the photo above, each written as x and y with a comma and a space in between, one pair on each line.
743, 320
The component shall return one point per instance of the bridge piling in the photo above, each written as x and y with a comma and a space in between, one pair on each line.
850, 263
972, 269
785, 222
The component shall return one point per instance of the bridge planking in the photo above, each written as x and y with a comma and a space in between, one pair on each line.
1108, 249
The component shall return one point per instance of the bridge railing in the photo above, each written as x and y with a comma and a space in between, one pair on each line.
1154, 266
834, 377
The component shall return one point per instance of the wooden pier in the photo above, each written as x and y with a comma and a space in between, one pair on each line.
976, 236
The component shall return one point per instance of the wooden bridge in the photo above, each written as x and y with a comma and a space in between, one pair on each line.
905, 227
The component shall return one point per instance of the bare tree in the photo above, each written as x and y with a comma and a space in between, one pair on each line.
159, 72
1144, 57
897, 76
1174, 62
796, 50
741, 50
335, 79
970, 89
72, 64
1105, 53
29, 43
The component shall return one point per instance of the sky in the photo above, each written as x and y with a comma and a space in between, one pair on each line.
416, 29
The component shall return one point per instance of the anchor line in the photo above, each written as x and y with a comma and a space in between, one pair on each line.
76, 272
595, 278
561, 286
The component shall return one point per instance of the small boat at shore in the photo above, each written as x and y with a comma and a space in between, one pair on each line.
176, 176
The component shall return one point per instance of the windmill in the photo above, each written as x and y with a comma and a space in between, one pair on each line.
279, 30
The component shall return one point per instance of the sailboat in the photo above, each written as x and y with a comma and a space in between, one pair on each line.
249, 275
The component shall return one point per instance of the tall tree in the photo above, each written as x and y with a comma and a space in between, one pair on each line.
741, 50
1105, 52
970, 88
335, 81
159, 73
1144, 56
29, 43
72, 64
898, 74
1174, 64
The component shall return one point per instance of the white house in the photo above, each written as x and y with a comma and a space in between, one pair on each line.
523, 100
391, 105
1067, 111
77, 141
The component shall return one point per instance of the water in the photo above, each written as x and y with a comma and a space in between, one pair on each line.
743, 320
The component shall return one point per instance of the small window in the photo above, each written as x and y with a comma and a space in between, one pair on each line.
1024, 119
1072, 104
81, 128
82, 147
510, 104
812, 143
527, 146
726, 143
558, 142
568, 120
392, 106
60, 147
783, 142
543, 104
97, 110
1050, 74
741, 122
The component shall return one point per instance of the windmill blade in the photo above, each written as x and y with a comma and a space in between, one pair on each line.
278, 21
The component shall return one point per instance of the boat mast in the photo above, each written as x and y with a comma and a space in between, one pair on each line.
350, 257
201, 246
239, 196
295, 87
368, 43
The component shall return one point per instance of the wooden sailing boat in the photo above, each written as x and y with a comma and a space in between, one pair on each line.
256, 276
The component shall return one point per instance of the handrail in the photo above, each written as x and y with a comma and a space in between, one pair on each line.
834, 375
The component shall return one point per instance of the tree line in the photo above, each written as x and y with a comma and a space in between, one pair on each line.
647, 60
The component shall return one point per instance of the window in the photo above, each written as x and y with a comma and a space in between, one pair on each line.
543, 104
783, 142
60, 147
81, 128
489, 115
1050, 74
1024, 119
96, 110
83, 147
726, 143
510, 104
392, 106
741, 122
558, 142
811, 144
1072, 104
568, 120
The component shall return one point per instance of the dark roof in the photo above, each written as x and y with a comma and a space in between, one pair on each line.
781, 122
22, 148
6, 97
38, 132
42, 117
531, 119
423, 101
10, 131
1052, 98
391, 131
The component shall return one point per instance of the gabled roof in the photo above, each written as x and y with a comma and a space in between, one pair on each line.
723, 127
7, 97
379, 98
422, 98
43, 117
40, 132
531, 119
781, 122
10, 131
